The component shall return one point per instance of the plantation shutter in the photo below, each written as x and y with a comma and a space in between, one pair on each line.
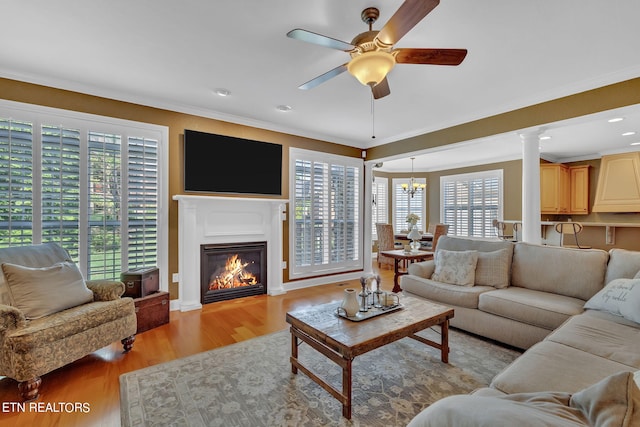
61, 187
105, 215
325, 223
380, 205
470, 203
142, 197
16, 182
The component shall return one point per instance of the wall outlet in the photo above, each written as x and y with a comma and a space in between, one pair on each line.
175, 277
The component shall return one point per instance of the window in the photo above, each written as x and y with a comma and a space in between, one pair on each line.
470, 202
379, 202
325, 213
404, 204
91, 184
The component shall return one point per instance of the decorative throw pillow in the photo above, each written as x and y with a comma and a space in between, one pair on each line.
620, 297
455, 267
493, 269
38, 292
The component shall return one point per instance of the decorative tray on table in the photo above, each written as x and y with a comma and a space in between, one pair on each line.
371, 312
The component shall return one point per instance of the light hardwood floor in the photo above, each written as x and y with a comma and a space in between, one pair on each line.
94, 379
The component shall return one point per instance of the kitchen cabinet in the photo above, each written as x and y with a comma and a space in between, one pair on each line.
554, 188
564, 190
579, 190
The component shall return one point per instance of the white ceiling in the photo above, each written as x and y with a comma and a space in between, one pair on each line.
174, 55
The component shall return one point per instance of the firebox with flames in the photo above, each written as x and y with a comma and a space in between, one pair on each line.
234, 275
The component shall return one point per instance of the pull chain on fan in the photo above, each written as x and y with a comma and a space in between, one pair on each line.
373, 117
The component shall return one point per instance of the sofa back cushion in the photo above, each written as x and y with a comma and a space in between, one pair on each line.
43, 255
623, 264
577, 273
494, 258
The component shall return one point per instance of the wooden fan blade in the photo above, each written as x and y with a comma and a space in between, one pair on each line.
319, 39
381, 89
406, 17
430, 56
324, 77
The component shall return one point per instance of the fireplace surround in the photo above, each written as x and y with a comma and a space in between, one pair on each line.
210, 220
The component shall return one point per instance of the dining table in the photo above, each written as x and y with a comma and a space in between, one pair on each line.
425, 237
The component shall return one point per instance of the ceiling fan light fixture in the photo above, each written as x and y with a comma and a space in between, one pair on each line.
370, 68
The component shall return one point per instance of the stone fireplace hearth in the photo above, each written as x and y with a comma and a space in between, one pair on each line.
204, 220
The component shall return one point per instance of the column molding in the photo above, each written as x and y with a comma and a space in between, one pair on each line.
531, 231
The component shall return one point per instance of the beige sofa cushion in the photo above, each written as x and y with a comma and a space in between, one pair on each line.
602, 336
549, 365
455, 267
444, 293
535, 308
39, 292
622, 264
577, 273
453, 243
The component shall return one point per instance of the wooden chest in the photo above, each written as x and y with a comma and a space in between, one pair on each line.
152, 311
140, 282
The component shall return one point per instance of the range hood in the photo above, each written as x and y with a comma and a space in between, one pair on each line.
618, 188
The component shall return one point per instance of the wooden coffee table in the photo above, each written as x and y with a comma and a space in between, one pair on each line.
341, 340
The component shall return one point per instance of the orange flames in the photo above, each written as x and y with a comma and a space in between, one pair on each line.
234, 275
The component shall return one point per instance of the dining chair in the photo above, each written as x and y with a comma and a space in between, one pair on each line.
570, 228
500, 230
438, 230
386, 242
517, 231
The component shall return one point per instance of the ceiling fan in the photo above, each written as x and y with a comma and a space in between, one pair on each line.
372, 52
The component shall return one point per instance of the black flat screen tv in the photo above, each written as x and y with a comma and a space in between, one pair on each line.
225, 164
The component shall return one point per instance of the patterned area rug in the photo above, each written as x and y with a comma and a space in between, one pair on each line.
250, 384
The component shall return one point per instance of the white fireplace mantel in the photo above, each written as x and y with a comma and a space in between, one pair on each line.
211, 219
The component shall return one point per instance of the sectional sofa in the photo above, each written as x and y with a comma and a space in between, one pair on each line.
576, 311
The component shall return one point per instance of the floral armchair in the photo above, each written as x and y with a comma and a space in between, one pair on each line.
50, 317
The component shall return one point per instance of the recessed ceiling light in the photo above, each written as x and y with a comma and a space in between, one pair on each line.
544, 138
283, 108
635, 143
222, 92
628, 133
616, 119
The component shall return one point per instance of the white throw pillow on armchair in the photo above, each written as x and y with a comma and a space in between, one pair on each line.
39, 292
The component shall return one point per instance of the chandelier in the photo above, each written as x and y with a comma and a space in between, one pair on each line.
413, 186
